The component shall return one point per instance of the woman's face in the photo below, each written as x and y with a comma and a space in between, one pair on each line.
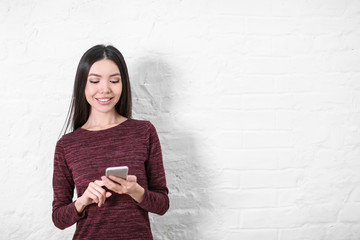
103, 86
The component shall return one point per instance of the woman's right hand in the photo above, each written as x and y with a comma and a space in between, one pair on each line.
94, 193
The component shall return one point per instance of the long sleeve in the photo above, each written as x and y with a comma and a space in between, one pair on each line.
156, 198
64, 213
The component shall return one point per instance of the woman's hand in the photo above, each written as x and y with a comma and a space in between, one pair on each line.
122, 186
94, 193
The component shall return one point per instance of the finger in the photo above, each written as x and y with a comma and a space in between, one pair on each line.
96, 196
106, 181
98, 191
99, 183
90, 195
117, 179
111, 185
131, 178
102, 191
98, 188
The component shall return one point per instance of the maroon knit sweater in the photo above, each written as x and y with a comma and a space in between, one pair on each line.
82, 157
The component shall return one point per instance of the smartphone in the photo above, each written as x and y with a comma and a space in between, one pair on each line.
120, 172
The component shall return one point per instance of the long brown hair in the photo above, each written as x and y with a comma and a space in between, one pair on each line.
79, 109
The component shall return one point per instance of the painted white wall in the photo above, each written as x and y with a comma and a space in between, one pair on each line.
257, 105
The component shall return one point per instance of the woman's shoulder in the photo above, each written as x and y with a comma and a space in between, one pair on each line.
139, 123
70, 137
135, 121
143, 125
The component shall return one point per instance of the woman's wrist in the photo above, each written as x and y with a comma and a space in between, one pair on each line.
79, 205
139, 193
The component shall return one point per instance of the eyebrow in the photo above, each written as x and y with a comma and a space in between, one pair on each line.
97, 75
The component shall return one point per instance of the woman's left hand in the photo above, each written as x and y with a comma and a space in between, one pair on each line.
122, 186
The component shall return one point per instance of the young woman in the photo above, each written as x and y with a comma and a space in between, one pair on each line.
104, 135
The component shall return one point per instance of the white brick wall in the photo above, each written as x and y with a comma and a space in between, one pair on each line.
257, 104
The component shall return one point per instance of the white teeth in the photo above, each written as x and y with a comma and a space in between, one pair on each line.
104, 99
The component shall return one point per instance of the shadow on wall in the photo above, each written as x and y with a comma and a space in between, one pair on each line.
154, 94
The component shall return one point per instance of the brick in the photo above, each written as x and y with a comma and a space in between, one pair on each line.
229, 217
350, 158
288, 8
259, 45
320, 25
345, 61
339, 231
272, 218
326, 43
289, 197
314, 8
350, 213
230, 102
249, 83
259, 234
285, 120
355, 195
282, 46
240, 120
327, 159
322, 213
290, 158
312, 63
298, 44
249, 159
253, 8
229, 179
228, 25
351, 41
268, 65
230, 139
325, 185
3, 51
271, 179
301, 83
244, 199
271, 26
267, 139
268, 101
306, 232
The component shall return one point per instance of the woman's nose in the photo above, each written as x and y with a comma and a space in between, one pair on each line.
104, 87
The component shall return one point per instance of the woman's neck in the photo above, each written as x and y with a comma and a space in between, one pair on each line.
99, 121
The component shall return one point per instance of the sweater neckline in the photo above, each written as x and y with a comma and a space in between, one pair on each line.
106, 129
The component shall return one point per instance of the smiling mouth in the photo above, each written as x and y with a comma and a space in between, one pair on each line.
103, 100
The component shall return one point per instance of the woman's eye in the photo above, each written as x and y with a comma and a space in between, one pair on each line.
93, 81
115, 81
